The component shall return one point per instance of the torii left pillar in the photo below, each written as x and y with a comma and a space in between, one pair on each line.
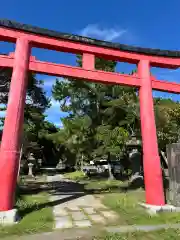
11, 138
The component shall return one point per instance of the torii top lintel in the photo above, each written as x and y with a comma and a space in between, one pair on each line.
44, 38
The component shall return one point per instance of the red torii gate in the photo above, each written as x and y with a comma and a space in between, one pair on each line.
26, 37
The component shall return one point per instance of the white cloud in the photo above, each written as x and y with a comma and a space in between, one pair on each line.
55, 104
106, 34
59, 124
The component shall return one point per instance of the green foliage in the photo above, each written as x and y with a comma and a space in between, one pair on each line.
35, 126
111, 139
98, 120
167, 114
102, 117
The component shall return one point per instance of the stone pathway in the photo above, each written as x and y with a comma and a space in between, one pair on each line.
144, 228
81, 212
75, 209
90, 233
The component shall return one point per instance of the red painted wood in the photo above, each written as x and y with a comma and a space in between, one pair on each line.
80, 48
80, 73
88, 61
151, 159
165, 86
100, 76
68, 71
11, 139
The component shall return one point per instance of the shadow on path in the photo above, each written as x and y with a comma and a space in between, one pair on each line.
63, 191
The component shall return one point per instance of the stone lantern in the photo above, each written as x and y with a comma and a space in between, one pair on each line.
134, 143
31, 160
134, 150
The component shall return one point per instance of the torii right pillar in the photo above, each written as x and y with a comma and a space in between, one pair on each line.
151, 160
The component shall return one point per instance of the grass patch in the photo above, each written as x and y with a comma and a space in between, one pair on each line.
94, 184
103, 185
157, 235
126, 205
35, 219
75, 176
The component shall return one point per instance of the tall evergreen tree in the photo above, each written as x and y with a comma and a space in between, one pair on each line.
35, 125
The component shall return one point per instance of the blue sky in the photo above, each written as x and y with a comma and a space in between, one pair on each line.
144, 23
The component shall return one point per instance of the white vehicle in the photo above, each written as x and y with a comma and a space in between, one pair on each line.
102, 166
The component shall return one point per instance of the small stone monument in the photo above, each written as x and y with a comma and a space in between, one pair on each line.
173, 157
40, 162
60, 165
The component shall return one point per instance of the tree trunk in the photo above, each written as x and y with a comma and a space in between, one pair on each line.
111, 176
82, 162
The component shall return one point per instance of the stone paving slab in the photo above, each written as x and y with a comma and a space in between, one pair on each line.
83, 223
109, 214
60, 212
74, 208
63, 222
97, 218
78, 216
89, 210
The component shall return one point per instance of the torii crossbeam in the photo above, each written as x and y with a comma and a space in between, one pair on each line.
26, 37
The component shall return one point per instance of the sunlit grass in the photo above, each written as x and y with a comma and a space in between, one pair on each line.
36, 216
168, 234
75, 176
130, 212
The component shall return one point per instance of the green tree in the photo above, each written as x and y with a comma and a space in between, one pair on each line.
103, 109
111, 114
35, 125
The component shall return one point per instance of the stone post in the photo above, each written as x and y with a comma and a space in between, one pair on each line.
30, 171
